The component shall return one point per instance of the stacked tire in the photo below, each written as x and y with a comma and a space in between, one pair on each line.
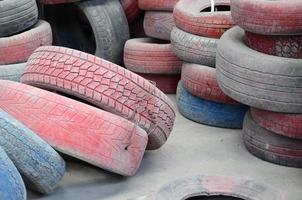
194, 40
259, 64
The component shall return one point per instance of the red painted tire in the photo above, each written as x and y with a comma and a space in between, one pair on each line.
268, 17
201, 81
105, 85
147, 55
282, 46
162, 5
159, 24
289, 125
56, 1
192, 16
18, 48
131, 9
76, 129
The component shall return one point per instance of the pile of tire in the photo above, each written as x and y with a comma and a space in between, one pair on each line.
199, 25
259, 64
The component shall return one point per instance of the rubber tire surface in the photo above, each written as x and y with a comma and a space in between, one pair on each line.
56, 1
269, 146
282, 46
18, 48
41, 167
280, 18
161, 5
201, 81
147, 55
159, 24
208, 112
11, 183
106, 85
289, 125
189, 17
131, 9
193, 48
17, 15
12, 72
259, 80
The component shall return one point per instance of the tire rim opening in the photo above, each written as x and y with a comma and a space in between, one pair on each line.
216, 197
217, 8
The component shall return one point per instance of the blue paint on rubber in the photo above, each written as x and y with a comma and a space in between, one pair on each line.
208, 112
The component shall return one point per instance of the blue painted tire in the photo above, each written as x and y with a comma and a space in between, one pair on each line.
11, 183
208, 112
41, 167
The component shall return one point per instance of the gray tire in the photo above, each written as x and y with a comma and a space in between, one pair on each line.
12, 72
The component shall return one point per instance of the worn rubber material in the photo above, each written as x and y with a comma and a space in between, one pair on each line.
193, 48
104, 84
131, 9
11, 183
259, 80
12, 72
41, 167
161, 5
158, 24
289, 125
280, 18
201, 81
190, 17
269, 146
209, 112
283, 46
17, 15
56, 1
147, 55
76, 129
18, 48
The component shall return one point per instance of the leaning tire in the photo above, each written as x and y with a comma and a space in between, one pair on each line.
161, 5
12, 72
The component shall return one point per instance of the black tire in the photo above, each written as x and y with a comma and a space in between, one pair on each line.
12, 72
17, 15
256, 79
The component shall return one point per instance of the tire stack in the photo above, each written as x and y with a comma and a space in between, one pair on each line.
260, 65
194, 40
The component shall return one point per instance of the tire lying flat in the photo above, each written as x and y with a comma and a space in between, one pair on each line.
161, 5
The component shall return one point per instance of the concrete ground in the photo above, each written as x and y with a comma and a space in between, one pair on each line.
192, 149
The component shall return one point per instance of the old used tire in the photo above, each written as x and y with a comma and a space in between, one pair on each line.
289, 125
56, 1
201, 81
193, 48
280, 18
12, 72
41, 167
17, 15
283, 46
18, 48
161, 5
269, 146
131, 9
194, 16
103, 84
147, 55
259, 80
159, 24
209, 112
76, 129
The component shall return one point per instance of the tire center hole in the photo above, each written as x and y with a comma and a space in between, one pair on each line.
218, 197
217, 8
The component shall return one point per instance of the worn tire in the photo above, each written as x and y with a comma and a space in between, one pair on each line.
56, 1
269, 146
190, 16
104, 84
147, 55
193, 48
12, 72
258, 80
161, 5
280, 18
209, 112
131, 9
18, 48
41, 167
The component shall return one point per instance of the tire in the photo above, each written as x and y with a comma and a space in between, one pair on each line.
208, 112
160, 5
201, 81
269, 146
258, 80
131, 9
57, 1
281, 18
18, 48
12, 72
115, 89
282, 46
76, 129
159, 24
17, 15
194, 49
289, 125
150, 56
11, 183
192, 17
41, 167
